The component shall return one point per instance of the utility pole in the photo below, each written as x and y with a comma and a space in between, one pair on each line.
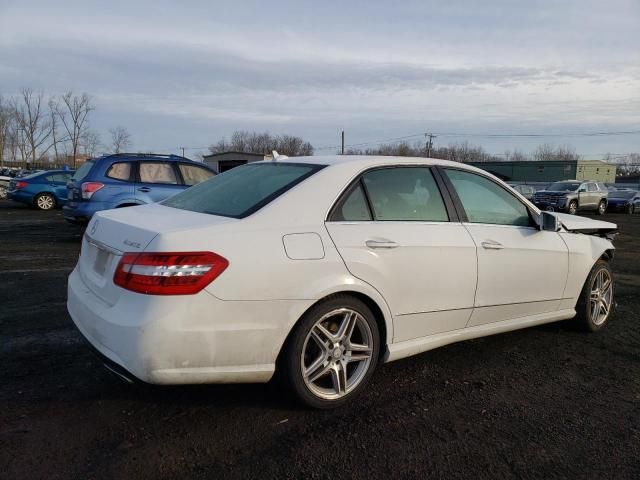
429, 145
342, 142
182, 151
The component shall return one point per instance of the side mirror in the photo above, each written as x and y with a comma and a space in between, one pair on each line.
549, 222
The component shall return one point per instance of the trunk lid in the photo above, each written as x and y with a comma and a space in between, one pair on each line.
111, 233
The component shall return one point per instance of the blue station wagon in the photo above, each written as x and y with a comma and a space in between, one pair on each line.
44, 190
128, 179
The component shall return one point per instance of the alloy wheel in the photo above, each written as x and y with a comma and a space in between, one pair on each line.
573, 207
336, 354
602, 207
45, 202
601, 296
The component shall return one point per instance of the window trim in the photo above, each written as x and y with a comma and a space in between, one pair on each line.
460, 207
358, 180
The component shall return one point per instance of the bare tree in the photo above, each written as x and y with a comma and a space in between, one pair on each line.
6, 119
72, 112
264, 143
515, 156
90, 142
33, 123
120, 139
549, 153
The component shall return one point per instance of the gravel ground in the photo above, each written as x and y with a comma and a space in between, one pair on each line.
547, 402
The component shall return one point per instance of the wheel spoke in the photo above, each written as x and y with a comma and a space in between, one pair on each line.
323, 333
606, 285
339, 378
604, 308
320, 370
321, 342
358, 357
347, 325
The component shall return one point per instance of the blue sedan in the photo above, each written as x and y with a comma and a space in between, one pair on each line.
44, 190
627, 201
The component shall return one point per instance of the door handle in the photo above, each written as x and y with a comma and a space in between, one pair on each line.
144, 189
492, 245
381, 244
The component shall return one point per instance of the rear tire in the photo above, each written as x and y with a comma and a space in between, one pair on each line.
596, 299
630, 209
332, 352
602, 207
45, 201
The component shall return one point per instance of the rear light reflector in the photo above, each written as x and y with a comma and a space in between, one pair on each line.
21, 184
89, 188
175, 273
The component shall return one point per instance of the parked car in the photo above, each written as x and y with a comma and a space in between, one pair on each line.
129, 179
627, 201
572, 196
44, 190
321, 267
527, 191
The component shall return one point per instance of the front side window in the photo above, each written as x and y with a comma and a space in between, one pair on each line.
193, 175
158, 172
120, 171
404, 194
484, 201
242, 190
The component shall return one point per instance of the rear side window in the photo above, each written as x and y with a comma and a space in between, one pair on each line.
120, 171
83, 171
591, 187
193, 174
484, 201
242, 190
352, 207
405, 194
158, 172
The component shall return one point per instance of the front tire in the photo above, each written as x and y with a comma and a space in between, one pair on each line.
45, 201
596, 299
332, 352
573, 207
630, 209
602, 207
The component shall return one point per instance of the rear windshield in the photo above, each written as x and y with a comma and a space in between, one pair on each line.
242, 190
83, 171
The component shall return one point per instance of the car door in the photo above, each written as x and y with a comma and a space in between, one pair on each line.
59, 185
396, 231
156, 180
522, 270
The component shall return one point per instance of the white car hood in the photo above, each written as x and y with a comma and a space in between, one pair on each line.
574, 223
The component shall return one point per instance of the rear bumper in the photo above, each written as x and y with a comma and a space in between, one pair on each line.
184, 339
20, 196
81, 212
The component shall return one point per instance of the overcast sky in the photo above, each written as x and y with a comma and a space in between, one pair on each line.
188, 73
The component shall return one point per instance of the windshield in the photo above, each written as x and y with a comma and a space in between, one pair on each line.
563, 186
83, 171
624, 195
242, 190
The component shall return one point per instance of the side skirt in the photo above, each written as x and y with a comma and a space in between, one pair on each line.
396, 351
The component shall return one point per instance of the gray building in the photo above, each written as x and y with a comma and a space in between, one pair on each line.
223, 161
552, 171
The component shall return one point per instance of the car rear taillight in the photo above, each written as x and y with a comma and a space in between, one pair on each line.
89, 188
21, 184
181, 273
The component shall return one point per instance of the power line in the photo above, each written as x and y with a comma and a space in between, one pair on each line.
486, 135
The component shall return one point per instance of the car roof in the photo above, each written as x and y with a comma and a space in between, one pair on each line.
363, 161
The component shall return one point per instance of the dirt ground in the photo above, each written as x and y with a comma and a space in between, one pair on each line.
547, 402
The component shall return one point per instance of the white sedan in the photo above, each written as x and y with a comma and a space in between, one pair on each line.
321, 267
